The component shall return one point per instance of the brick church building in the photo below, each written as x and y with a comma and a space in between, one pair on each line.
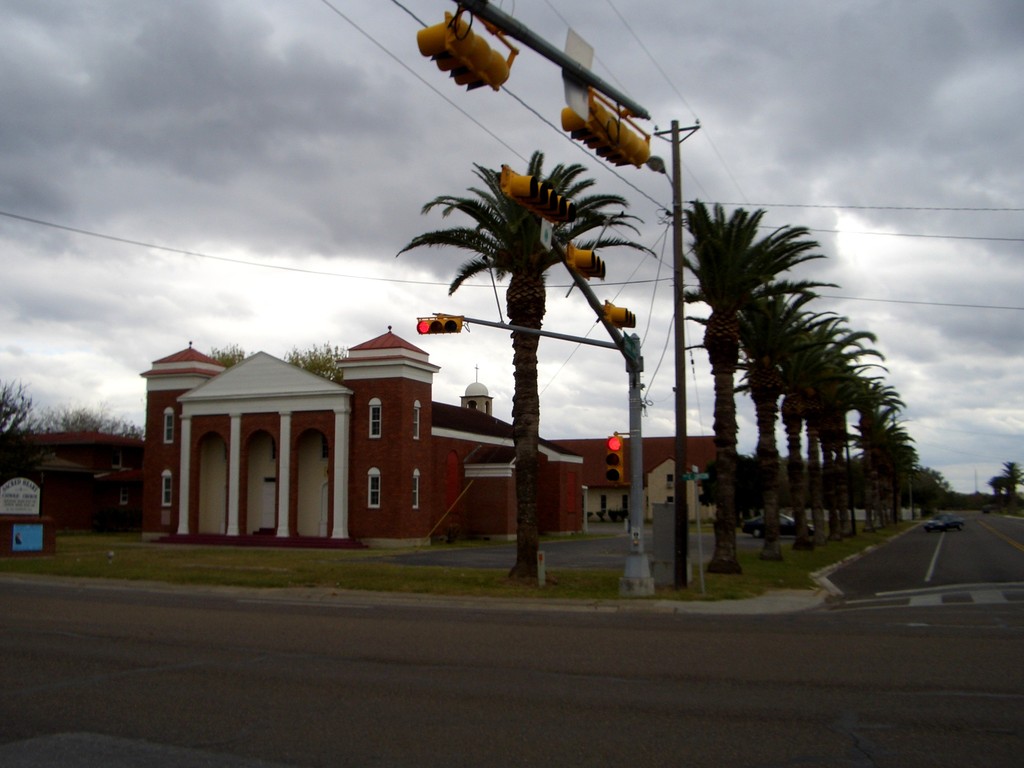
266, 449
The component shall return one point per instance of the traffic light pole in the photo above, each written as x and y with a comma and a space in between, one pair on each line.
637, 580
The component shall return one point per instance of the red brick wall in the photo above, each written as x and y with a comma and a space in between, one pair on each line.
396, 454
158, 457
491, 507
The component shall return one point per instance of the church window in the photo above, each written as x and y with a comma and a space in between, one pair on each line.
168, 425
373, 488
375, 417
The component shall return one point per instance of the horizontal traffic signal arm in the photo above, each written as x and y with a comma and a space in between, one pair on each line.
609, 130
465, 55
537, 196
439, 324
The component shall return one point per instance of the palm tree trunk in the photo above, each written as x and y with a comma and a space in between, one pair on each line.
795, 473
814, 485
843, 491
724, 558
525, 302
831, 492
766, 406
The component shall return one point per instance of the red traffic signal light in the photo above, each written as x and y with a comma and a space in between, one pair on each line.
439, 324
615, 471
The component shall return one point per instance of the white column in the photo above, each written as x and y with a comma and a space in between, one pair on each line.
284, 473
234, 473
340, 501
183, 477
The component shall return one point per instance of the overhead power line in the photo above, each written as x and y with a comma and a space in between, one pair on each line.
876, 207
303, 270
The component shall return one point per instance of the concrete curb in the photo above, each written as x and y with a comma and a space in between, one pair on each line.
775, 602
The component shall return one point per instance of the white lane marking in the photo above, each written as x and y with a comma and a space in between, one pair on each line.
935, 559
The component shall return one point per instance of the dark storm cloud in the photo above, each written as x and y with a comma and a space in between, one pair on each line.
283, 133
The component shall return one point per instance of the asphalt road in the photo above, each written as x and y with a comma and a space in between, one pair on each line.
608, 549
988, 552
114, 675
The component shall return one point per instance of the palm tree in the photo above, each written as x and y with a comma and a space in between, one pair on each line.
876, 404
823, 402
772, 331
733, 268
504, 239
1012, 477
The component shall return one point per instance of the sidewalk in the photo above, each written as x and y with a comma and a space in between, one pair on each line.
776, 602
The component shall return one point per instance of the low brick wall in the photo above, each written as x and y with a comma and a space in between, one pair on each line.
27, 536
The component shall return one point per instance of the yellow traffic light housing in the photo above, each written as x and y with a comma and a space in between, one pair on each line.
619, 316
609, 130
536, 196
586, 262
614, 459
439, 324
465, 55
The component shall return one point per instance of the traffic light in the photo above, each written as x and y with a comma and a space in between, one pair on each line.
615, 471
465, 55
536, 196
439, 324
619, 316
587, 263
607, 130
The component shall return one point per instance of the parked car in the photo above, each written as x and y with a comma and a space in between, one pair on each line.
944, 522
787, 526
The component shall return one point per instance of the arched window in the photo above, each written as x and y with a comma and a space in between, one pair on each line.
373, 488
168, 425
416, 420
375, 417
415, 489
166, 488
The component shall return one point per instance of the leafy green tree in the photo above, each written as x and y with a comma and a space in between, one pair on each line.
322, 360
503, 239
85, 419
18, 454
928, 490
230, 355
733, 267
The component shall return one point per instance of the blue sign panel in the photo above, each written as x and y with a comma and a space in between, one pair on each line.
27, 537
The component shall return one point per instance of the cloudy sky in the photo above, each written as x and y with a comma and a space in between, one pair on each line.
232, 172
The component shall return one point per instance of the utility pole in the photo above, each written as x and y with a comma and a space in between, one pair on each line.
682, 515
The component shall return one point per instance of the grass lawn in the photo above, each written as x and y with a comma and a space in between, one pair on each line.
125, 556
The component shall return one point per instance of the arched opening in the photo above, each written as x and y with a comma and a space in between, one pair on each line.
213, 484
311, 474
261, 483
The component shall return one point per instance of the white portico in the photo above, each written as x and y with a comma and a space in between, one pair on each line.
269, 436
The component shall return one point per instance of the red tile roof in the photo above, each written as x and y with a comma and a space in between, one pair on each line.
387, 340
86, 438
187, 356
